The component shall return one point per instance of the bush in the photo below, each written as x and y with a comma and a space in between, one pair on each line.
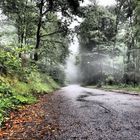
10, 63
19, 84
13, 94
55, 72
110, 80
41, 83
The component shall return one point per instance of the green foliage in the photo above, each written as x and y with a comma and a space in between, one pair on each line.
57, 74
41, 83
21, 88
9, 62
110, 80
97, 35
5, 104
97, 28
123, 87
14, 92
4, 90
37, 32
110, 43
25, 99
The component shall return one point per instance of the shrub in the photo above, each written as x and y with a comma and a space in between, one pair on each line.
18, 83
55, 72
9, 62
41, 83
110, 80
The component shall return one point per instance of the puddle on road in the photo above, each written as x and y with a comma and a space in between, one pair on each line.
81, 100
88, 94
85, 95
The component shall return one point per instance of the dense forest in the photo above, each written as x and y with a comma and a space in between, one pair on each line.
34, 37
110, 43
34, 44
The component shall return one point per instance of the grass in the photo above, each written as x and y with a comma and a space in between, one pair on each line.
121, 87
14, 93
127, 88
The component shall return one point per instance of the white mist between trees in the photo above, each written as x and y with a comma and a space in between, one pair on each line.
72, 71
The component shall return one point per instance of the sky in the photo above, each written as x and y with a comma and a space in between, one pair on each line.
1, 15
100, 2
107, 2
87, 2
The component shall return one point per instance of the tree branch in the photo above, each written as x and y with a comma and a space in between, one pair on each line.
56, 32
45, 12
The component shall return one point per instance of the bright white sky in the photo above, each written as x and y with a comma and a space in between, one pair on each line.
107, 2
87, 2
100, 2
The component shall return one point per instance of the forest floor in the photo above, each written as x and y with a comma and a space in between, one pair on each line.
31, 122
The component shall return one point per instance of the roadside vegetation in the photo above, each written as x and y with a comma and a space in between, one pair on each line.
33, 47
20, 85
123, 88
119, 88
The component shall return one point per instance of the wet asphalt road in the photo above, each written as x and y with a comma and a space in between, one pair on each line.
92, 114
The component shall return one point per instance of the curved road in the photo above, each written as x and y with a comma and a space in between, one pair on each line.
92, 114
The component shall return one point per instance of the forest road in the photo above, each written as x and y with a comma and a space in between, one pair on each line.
92, 114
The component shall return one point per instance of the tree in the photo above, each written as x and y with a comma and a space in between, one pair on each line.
30, 16
21, 13
96, 34
129, 18
46, 6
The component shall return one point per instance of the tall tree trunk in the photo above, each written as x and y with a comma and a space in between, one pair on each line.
38, 37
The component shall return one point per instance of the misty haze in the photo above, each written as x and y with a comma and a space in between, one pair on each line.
69, 70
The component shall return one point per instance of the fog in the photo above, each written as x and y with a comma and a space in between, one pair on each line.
72, 69
94, 66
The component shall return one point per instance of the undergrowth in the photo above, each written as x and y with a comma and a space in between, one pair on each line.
123, 87
20, 81
14, 93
